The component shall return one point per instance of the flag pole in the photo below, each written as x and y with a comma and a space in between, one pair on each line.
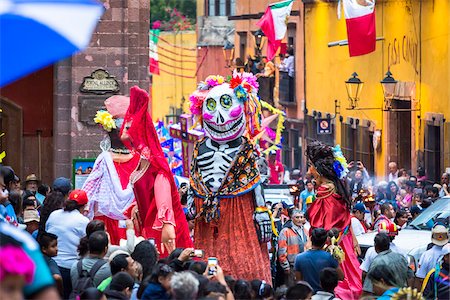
345, 42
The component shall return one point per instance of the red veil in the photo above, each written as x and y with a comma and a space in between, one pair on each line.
144, 140
142, 132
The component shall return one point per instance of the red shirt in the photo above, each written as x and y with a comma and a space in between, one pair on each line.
275, 169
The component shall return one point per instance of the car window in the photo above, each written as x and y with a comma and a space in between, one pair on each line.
439, 209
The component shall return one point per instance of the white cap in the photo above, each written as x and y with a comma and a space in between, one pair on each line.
439, 235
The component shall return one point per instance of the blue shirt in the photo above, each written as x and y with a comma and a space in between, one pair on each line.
311, 262
303, 195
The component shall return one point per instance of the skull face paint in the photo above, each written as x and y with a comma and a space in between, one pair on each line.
223, 114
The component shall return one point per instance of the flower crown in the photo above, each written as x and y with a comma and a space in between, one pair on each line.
242, 84
340, 165
105, 119
245, 88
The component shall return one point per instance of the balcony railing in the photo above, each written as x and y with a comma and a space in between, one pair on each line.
286, 89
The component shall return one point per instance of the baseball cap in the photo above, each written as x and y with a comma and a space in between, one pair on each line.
361, 208
62, 184
272, 152
78, 196
30, 215
439, 235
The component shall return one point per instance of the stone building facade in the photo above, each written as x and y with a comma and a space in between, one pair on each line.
118, 46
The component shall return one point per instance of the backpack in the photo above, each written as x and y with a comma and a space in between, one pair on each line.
85, 278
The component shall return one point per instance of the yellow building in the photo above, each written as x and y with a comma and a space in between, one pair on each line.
414, 44
177, 55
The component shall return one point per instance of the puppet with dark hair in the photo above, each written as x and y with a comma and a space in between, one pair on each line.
331, 209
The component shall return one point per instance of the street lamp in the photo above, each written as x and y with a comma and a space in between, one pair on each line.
388, 84
258, 40
228, 53
354, 86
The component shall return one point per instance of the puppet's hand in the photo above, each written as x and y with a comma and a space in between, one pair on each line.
168, 238
263, 224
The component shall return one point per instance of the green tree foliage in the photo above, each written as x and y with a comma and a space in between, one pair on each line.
173, 14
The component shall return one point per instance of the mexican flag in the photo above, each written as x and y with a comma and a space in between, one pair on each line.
153, 51
273, 24
360, 21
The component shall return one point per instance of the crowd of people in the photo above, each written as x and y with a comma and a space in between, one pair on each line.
83, 263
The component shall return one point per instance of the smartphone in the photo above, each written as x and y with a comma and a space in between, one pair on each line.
197, 253
152, 241
122, 224
212, 265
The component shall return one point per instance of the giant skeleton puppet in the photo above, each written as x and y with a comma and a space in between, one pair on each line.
226, 199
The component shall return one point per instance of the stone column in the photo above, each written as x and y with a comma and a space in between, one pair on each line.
118, 46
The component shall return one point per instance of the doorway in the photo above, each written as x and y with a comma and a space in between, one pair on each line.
400, 133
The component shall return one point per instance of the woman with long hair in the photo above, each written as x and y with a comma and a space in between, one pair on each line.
392, 193
54, 201
331, 209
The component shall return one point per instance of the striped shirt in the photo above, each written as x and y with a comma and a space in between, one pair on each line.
292, 241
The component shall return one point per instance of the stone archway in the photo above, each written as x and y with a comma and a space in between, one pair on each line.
11, 122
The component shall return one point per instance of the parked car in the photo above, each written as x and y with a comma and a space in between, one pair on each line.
277, 193
414, 239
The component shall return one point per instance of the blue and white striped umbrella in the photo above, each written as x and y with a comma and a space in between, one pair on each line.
37, 33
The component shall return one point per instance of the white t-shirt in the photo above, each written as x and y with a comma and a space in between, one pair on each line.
428, 261
70, 227
357, 227
371, 254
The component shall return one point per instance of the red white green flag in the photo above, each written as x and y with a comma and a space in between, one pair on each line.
274, 25
153, 51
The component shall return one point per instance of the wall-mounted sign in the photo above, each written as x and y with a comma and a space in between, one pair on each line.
100, 82
324, 126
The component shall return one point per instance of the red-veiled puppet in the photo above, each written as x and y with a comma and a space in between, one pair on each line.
108, 185
159, 208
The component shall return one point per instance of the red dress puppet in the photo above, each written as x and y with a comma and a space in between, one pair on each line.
330, 210
160, 212
107, 186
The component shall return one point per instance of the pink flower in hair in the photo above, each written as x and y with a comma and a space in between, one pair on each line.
16, 262
251, 80
196, 102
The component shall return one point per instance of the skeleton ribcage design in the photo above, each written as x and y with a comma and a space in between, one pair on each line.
214, 160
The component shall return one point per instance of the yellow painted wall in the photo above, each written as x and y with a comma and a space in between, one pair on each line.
328, 68
168, 90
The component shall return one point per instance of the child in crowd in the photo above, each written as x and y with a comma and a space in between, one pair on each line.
49, 248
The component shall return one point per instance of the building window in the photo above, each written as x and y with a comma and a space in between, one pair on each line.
232, 7
286, 150
348, 138
212, 7
433, 152
242, 45
356, 144
221, 7
364, 151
